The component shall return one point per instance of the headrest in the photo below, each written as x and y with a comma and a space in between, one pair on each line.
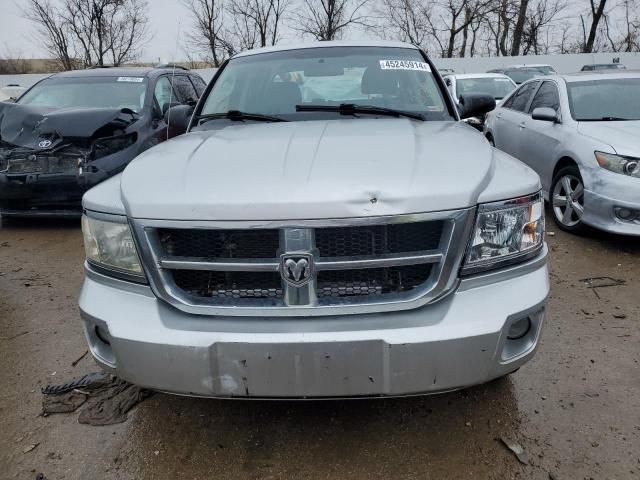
378, 81
282, 97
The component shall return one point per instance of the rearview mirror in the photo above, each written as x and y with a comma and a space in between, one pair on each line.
178, 117
476, 104
545, 114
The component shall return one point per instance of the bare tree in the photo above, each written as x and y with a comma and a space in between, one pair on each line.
95, 32
260, 17
209, 32
328, 19
107, 31
52, 31
405, 20
519, 27
623, 33
597, 11
539, 18
458, 16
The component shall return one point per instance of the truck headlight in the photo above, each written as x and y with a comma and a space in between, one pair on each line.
506, 232
110, 248
619, 164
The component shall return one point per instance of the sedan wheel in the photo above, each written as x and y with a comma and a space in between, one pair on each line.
568, 199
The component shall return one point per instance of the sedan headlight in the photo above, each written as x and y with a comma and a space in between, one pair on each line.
506, 232
108, 146
110, 248
619, 164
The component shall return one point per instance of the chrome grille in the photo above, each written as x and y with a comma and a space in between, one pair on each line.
361, 265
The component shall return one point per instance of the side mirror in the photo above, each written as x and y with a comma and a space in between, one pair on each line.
545, 114
178, 117
167, 106
476, 104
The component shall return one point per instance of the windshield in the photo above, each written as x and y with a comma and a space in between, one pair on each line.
605, 99
90, 92
521, 76
498, 88
274, 83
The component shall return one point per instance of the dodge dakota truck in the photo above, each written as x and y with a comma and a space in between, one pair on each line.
327, 228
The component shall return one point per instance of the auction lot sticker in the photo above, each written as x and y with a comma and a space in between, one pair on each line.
131, 79
404, 65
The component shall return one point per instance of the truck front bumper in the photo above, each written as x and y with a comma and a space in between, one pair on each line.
458, 341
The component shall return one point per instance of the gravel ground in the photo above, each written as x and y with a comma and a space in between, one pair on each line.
575, 409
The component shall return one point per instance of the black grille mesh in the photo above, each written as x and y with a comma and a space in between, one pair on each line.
371, 281
219, 243
229, 284
378, 239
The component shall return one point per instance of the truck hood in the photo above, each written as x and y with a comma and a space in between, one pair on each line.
312, 170
624, 137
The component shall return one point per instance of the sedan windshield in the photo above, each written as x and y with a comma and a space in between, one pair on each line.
497, 87
605, 100
297, 84
88, 92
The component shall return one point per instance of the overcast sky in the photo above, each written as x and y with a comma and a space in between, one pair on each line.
166, 17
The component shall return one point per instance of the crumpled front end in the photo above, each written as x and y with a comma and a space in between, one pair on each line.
48, 160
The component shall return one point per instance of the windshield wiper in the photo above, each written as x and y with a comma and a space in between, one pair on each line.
238, 116
605, 119
354, 109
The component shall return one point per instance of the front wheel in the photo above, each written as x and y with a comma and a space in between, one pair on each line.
567, 200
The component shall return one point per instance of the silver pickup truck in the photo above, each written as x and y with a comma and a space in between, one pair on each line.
326, 228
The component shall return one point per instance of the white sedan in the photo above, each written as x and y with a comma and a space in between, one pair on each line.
495, 84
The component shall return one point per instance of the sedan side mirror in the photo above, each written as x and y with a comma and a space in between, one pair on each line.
178, 117
476, 104
545, 114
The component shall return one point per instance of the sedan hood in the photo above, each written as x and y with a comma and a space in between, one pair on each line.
27, 126
310, 170
624, 137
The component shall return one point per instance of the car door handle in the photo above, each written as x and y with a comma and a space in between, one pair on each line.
522, 126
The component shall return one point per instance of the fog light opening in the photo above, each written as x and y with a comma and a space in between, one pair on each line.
626, 214
519, 329
102, 336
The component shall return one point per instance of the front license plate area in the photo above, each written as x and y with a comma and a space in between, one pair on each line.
331, 369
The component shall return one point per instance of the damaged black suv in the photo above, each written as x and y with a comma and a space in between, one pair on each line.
75, 129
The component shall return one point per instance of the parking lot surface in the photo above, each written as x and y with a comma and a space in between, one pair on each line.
575, 409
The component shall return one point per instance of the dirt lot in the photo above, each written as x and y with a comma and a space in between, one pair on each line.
575, 409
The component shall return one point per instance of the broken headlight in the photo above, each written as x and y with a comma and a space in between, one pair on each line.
110, 248
505, 233
111, 145
619, 164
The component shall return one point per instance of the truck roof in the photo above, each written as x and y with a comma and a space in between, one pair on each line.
335, 43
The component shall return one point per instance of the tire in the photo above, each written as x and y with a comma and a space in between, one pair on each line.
566, 199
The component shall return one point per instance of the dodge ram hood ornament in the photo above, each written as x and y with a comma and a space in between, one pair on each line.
296, 268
